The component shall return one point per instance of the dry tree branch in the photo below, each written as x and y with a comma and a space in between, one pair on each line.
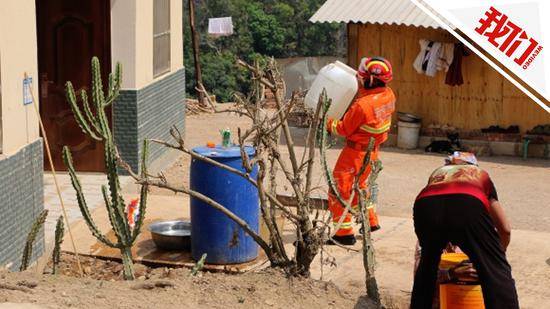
275, 237
258, 74
311, 139
264, 135
271, 83
333, 189
336, 243
288, 137
272, 186
287, 109
202, 90
246, 176
162, 183
368, 248
308, 236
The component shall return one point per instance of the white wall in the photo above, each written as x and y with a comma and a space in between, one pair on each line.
132, 40
144, 43
176, 39
18, 54
132, 45
123, 39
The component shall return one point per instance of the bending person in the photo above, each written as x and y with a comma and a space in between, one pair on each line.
460, 205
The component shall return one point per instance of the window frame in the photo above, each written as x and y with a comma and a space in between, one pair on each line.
162, 55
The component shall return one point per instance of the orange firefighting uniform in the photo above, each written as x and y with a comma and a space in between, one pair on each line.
368, 116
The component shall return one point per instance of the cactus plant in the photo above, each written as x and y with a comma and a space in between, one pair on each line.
59, 232
96, 125
198, 266
27, 252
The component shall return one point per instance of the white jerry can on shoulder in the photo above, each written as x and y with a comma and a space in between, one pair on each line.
341, 84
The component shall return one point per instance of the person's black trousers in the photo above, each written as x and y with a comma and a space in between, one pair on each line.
462, 220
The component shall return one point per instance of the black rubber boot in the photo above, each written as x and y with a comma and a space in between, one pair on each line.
347, 240
372, 229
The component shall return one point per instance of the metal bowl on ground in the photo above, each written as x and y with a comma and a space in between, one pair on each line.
406, 117
171, 235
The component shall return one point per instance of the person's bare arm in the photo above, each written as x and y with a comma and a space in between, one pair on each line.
501, 222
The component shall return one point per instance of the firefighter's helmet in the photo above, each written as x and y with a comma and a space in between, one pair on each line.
375, 67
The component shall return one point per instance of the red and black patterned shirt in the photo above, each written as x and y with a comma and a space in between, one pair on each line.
461, 179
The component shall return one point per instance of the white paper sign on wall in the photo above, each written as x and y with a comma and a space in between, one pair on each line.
27, 83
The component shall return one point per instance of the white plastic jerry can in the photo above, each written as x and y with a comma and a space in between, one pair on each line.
341, 85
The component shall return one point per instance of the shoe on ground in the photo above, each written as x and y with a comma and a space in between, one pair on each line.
372, 229
347, 240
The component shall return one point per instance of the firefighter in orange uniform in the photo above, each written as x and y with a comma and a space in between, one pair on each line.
368, 116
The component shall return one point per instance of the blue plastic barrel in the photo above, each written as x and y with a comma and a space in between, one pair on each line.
212, 232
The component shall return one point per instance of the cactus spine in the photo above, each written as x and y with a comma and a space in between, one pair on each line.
59, 233
96, 125
27, 252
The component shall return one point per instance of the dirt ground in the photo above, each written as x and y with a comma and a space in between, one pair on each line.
522, 186
168, 288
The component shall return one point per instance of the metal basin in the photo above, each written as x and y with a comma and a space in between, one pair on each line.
171, 235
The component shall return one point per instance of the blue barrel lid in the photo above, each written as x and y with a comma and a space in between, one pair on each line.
223, 152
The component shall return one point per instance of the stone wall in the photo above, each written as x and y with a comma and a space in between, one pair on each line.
149, 112
21, 201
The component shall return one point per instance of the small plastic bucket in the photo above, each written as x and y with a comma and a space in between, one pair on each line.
462, 294
449, 260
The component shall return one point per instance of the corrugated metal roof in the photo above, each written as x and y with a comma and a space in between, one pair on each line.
400, 12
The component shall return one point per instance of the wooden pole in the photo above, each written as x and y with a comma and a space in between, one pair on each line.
195, 40
49, 154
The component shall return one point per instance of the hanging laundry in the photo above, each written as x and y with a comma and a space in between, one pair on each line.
433, 57
454, 75
426, 61
446, 55
221, 26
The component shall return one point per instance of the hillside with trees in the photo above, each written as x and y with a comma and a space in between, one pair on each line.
261, 28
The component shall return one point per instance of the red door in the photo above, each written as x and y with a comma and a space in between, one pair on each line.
70, 33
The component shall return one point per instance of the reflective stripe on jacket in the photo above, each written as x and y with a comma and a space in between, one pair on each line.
368, 116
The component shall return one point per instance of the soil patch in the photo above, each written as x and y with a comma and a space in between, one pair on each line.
168, 288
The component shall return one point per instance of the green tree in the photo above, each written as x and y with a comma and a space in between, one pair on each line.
267, 32
272, 28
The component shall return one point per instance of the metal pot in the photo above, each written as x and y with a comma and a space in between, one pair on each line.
172, 235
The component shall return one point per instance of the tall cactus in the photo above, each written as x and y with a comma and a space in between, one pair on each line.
35, 228
96, 125
59, 233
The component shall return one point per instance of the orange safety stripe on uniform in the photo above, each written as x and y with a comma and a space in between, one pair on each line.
371, 205
374, 130
343, 225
